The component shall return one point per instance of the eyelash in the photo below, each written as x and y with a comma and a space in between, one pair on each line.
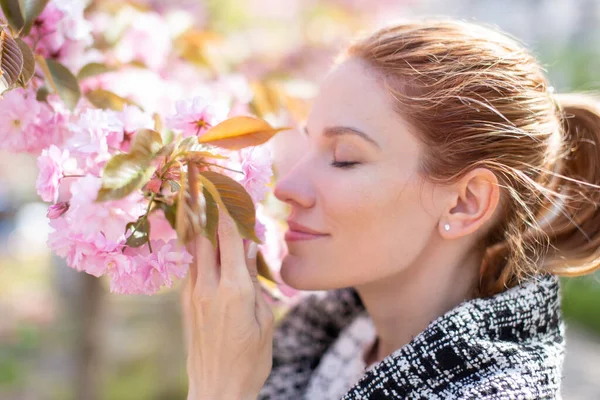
344, 164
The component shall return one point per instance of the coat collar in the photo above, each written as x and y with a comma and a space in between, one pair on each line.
520, 327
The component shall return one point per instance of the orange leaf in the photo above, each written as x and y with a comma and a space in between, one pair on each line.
239, 132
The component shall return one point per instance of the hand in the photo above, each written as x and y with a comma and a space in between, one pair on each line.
228, 324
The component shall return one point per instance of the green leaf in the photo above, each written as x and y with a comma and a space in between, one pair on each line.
147, 143
166, 150
234, 199
61, 81
125, 173
140, 234
13, 14
104, 99
212, 217
41, 62
30, 10
170, 212
93, 69
190, 144
28, 61
239, 132
11, 60
42, 94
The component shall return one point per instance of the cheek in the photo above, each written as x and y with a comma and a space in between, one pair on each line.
379, 228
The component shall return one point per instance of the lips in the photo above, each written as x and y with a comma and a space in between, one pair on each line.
300, 232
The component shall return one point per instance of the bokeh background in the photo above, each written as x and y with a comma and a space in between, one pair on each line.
63, 336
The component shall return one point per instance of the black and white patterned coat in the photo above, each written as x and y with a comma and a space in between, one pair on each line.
508, 346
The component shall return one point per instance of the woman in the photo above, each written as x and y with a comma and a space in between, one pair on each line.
442, 189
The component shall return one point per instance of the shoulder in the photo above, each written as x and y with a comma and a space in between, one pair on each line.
511, 385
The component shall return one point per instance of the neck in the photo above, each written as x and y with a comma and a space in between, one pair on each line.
403, 305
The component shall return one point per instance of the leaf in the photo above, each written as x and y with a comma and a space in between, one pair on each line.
262, 267
239, 132
41, 62
147, 142
125, 173
13, 14
42, 94
62, 81
266, 100
104, 99
30, 10
212, 217
11, 60
175, 186
198, 156
141, 234
190, 212
158, 125
169, 211
28, 61
234, 199
201, 48
93, 69
190, 144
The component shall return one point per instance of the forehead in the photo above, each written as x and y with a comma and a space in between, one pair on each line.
352, 94
353, 85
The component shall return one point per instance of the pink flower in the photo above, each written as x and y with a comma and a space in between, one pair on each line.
133, 119
147, 41
86, 216
91, 253
19, 111
150, 271
257, 169
95, 130
52, 163
196, 116
161, 229
58, 209
61, 31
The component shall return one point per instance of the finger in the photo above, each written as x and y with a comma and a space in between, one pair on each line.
206, 266
187, 314
231, 250
251, 253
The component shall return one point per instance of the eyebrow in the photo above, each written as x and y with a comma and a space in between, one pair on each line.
333, 131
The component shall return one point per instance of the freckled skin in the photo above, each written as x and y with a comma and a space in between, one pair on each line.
380, 213
385, 223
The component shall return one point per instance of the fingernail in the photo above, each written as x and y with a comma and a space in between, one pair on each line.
252, 250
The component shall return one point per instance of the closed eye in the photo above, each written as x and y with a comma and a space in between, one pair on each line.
344, 164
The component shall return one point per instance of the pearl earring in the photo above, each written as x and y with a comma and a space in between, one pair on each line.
447, 227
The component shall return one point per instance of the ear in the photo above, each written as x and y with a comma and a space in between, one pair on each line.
474, 201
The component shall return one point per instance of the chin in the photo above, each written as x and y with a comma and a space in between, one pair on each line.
299, 274
291, 272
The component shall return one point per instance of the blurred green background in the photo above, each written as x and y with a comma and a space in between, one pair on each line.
63, 336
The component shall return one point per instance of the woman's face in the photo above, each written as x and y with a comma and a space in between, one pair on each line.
377, 215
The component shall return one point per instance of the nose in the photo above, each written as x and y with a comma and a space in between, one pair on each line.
296, 186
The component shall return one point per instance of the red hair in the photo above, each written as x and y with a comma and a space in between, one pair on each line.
477, 98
